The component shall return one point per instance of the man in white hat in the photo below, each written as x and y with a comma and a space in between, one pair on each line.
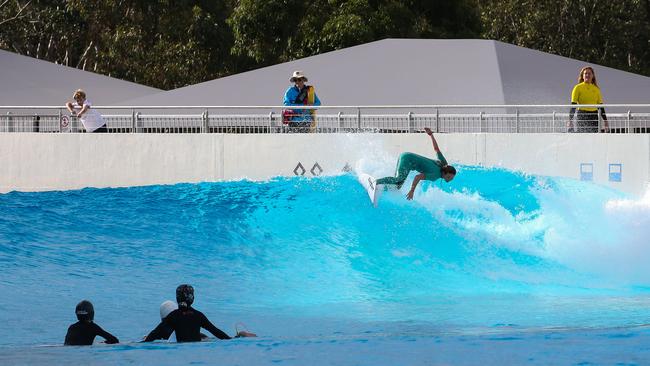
300, 94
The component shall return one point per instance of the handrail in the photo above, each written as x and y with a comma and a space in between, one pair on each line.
413, 106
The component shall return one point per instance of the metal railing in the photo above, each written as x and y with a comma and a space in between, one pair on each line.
633, 118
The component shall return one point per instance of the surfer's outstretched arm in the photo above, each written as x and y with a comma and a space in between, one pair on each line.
416, 180
433, 139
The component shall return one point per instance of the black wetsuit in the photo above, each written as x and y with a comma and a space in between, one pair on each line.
187, 324
83, 333
165, 332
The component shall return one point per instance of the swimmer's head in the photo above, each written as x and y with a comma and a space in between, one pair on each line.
166, 308
85, 311
184, 296
448, 173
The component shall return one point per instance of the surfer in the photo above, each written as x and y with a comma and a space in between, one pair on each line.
187, 321
429, 169
83, 332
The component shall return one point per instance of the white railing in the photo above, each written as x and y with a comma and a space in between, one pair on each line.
621, 118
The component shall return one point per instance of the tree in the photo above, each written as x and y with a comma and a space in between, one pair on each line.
10, 11
166, 44
173, 43
612, 33
272, 31
42, 29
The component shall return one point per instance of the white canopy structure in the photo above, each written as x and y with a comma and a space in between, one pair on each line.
416, 71
26, 81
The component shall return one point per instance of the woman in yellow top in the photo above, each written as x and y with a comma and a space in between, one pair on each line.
587, 92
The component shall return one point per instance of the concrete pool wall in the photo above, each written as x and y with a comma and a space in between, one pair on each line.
39, 162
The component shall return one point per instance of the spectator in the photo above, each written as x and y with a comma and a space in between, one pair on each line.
91, 119
587, 92
83, 332
300, 94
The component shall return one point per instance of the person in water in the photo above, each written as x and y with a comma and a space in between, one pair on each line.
165, 309
187, 321
83, 332
429, 169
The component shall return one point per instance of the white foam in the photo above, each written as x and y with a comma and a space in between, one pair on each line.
582, 226
373, 158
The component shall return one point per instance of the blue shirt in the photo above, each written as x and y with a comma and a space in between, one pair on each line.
290, 99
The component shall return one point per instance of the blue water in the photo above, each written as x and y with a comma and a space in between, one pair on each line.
496, 267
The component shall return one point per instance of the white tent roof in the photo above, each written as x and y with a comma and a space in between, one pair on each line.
416, 71
29, 81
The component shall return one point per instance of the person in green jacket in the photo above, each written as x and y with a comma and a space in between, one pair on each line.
429, 169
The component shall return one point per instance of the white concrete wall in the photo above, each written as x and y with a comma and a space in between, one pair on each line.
35, 162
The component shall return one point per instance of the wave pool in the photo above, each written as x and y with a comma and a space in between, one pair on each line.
494, 268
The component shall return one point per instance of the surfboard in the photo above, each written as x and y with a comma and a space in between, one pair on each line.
369, 183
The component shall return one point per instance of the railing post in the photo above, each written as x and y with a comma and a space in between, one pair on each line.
600, 123
481, 126
437, 120
9, 129
36, 123
340, 120
76, 125
270, 121
205, 117
553, 121
410, 118
358, 119
134, 127
629, 117
59, 119
517, 120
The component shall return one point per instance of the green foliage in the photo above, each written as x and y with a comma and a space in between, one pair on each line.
611, 33
42, 29
169, 44
173, 43
264, 29
166, 44
272, 31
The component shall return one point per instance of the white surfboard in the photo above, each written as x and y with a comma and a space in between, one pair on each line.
370, 184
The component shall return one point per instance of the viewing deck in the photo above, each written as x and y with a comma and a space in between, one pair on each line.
330, 119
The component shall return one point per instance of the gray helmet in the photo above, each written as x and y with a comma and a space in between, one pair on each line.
85, 311
166, 308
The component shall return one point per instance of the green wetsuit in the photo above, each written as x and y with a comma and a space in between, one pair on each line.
409, 161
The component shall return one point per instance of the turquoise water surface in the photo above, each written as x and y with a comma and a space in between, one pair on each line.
496, 267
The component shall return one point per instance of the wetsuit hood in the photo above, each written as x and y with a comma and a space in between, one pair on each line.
184, 296
85, 311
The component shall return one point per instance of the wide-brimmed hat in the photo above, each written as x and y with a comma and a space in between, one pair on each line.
297, 75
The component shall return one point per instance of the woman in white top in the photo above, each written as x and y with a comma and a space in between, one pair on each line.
91, 119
